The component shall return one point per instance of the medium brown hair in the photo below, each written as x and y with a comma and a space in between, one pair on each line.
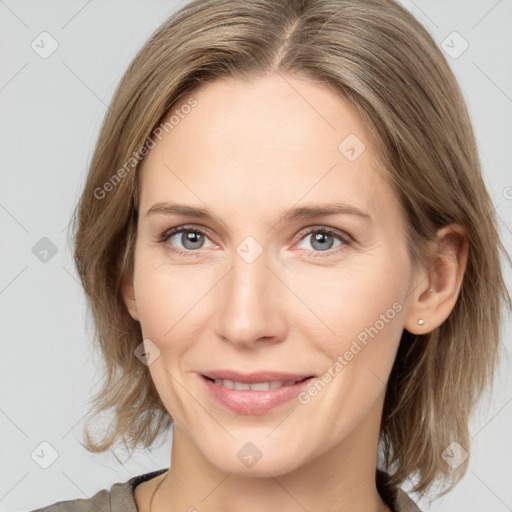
376, 55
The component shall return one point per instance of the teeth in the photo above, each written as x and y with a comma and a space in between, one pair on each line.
256, 386
228, 384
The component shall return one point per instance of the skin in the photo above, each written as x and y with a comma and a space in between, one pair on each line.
250, 151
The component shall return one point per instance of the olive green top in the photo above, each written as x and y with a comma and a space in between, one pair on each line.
120, 497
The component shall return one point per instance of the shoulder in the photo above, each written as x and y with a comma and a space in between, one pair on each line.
99, 502
395, 497
118, 498
404, 503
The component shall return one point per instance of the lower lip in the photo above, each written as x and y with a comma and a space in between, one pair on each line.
254, 402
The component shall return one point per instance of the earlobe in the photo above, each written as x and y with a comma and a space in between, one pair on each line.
436, 291
128, 293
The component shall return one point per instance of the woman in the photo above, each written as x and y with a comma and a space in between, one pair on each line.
290, 256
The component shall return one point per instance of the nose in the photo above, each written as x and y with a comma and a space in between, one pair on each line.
250, 304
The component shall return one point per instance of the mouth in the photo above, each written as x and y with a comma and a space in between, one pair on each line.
257, 396
254, 386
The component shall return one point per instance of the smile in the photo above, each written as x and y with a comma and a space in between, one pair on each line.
256, 386
252, 398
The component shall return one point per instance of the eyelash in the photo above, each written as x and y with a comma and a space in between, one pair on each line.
345, 239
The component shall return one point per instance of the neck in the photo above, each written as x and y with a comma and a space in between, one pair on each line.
341, 479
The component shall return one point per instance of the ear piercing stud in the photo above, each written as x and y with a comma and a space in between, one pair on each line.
421, 321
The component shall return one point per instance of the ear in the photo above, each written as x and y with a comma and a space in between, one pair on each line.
436, 289
128, 293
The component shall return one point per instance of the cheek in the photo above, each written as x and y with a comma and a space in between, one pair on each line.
355, 296
173, 303
165, 303
362, 308
162, 299
156, 304
370, 323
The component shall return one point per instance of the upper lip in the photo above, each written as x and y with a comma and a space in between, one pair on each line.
260, 376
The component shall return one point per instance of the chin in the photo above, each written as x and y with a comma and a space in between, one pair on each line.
249, 460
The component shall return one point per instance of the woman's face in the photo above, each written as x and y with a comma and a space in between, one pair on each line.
260, 282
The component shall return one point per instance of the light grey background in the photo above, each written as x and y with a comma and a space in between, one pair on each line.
51, 110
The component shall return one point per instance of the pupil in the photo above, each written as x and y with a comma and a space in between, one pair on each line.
192, 238
321, 239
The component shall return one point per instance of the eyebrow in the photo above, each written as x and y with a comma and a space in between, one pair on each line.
301, 212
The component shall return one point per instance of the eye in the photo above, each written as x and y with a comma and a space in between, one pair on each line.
190, 239
323, 239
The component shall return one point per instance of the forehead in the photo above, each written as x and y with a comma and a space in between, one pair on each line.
270, 141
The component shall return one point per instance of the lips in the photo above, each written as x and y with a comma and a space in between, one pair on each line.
260, 376
254, 393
